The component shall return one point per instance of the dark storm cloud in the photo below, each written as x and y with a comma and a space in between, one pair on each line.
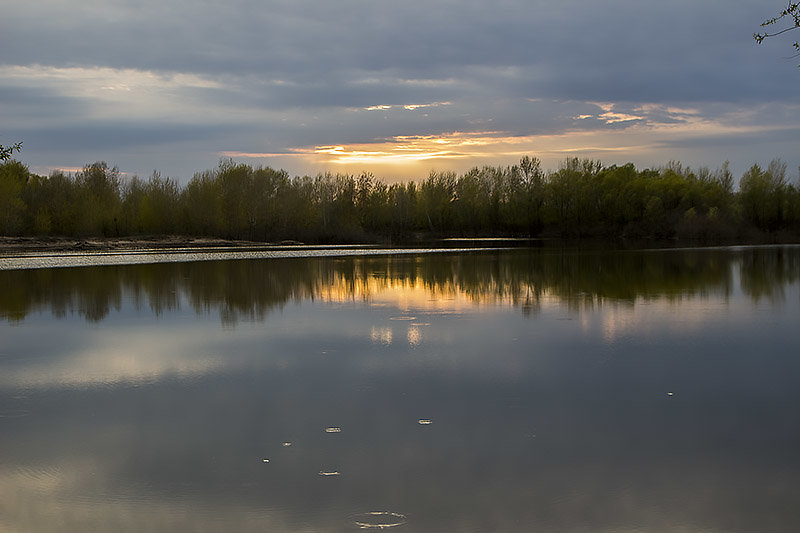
639, 50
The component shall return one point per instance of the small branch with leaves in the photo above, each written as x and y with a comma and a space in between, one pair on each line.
790, 14
7, 151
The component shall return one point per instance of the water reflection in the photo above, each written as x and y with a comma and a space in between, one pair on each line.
507, 391
251, 289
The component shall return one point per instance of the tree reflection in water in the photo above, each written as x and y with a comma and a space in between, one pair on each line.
251, 289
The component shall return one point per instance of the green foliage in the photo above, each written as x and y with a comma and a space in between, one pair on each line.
13, 178
580, 199
437, 194
7, 151
152, 207
98, 195
763, 195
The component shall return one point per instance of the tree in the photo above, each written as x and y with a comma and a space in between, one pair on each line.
436, 197
99, 197
13, 178
526, 182
7, 151
790, 14
762, 194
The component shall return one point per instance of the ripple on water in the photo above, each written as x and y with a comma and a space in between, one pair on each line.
44, 479
14, 413
379, 519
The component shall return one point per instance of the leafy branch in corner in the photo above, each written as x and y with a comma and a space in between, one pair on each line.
7, 151
790, 14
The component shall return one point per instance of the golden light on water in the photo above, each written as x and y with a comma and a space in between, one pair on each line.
408, 296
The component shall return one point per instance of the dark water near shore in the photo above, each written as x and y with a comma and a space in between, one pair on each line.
493, 391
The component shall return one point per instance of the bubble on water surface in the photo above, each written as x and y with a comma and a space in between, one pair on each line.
379, 519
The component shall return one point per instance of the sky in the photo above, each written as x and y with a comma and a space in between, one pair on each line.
395, 88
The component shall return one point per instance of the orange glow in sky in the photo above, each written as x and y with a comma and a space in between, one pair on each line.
414, 156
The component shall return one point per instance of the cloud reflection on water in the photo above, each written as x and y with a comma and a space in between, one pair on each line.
685, 291
144, 412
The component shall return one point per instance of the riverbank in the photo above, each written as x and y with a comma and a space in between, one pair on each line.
12, 245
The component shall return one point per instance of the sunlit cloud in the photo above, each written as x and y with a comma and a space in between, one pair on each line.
610, 116
634, 135
611, 133
383, 153
407, 107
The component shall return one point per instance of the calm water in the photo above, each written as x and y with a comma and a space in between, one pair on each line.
493, 391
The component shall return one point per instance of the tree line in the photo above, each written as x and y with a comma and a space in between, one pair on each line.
581, 199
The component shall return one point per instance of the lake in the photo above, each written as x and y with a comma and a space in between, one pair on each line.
505, 390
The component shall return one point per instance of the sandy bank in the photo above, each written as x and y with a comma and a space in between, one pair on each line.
12, 245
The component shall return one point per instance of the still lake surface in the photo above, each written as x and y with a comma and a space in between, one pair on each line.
513, 390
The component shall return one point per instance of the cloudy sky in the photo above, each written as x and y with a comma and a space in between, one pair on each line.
397, 88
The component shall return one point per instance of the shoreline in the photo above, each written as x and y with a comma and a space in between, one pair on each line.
10, 246
14, 245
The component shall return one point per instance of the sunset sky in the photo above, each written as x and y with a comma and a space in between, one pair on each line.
397, 88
